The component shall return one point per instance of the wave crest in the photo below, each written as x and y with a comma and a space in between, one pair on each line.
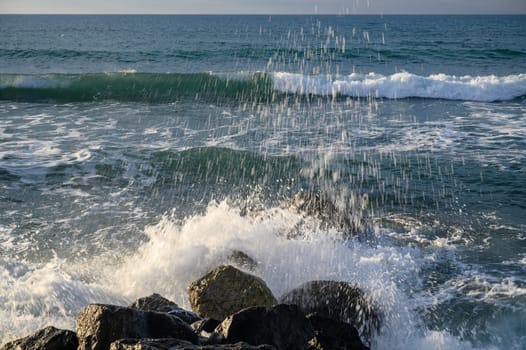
405, 85
254, 86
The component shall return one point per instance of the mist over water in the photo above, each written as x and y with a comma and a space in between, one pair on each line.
137, 152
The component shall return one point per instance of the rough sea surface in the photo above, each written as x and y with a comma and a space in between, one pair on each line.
136, 152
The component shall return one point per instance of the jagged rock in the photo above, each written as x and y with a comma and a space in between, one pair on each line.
205, 327
156, 302
243, 260
226, 290
337, 300
333, 334
49, 338
282, 326
175, 344
99, 325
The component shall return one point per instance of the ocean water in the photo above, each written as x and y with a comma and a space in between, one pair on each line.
136, 152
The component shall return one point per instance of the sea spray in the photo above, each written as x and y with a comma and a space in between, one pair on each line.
180, 250
38, 295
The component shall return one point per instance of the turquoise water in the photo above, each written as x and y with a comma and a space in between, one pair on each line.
132, 147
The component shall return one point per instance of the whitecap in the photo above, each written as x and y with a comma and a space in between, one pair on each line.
404, 85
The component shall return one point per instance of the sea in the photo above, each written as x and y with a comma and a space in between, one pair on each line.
138, 152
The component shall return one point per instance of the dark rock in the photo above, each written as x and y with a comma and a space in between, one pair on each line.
333, 334
314, 204
319, 205
49, 338
282, 326
176, 344
206, 326
185, 315
100, 325
242, 259
156, 302
226, 290
338, 300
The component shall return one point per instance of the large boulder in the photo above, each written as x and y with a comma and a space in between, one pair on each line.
156, 302
49, 338
99, 325
282, 326
338, 300
226, 290
175, 344
333, 334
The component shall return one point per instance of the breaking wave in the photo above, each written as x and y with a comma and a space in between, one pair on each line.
254, 87
405, 85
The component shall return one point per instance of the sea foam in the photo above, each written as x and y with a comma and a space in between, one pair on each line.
403, 85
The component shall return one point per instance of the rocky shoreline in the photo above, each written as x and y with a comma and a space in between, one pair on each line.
232, 309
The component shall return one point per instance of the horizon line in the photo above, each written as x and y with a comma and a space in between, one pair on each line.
260, 14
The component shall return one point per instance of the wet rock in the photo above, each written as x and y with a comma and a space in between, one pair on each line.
226, 290
205, 327
49, 338
337, 300
333, 334
99, 325
185, 315
156, 302
243, 260
282, 326
175, 344
314, 204
321, 206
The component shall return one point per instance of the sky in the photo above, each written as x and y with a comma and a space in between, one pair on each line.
266, 6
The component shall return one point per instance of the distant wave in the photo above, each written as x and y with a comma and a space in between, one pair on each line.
405, 85
253, 87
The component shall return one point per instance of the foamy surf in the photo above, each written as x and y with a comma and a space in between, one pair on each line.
404, 85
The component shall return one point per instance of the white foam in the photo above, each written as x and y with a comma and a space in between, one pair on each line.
38, 295
179, 251
518, 262
487, 288
128, 71
404, 85
34, 158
